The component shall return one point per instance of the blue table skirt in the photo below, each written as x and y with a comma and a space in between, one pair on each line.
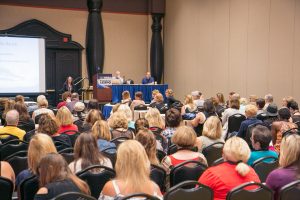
106, 110
145, 89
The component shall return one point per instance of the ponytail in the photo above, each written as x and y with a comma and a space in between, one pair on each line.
242, 168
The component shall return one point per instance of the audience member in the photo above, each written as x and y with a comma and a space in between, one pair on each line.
252, 99
250, 113
100, 131
91, 118
9, 105
170, 100
20, 99
173, 121
126, 99
39, 146
243, 104
198, 99
56, 178
141, 123
294, 109
289, 162
127, 111
66, 98
49, 126
74, 99
117, 79
279, 127
26, 123
133, 173
93, 104
268, 100
154, 119
154, 92
260, 139
148, 79
158, 102
34, 107
119, 125
272, 114
185, 140
86, 154
138, 100
79, 116
208, 111
42, 108
220, 99
229, 98
234, 106
260, 104
12, 120
218, 107
7, 171
189, 106
286, 100
65, 120
212, 133
2, 108
231, 173
147, 139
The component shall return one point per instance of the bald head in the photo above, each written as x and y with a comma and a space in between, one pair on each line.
12, 118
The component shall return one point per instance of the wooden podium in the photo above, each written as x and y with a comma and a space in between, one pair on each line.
101, 94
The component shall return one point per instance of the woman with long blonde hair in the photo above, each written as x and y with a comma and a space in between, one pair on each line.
101, 133
231, 173
39, 146
154, 118
65, 120
189, 105
133, 173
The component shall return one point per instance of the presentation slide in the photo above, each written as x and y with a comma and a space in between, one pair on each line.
22, 65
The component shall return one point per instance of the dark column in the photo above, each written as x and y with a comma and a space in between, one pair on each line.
94, 39
157, 51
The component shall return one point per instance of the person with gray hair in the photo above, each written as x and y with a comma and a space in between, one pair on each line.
268, 99
12, 120
197, 97
74, 100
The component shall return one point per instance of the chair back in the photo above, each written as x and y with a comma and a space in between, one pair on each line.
262, 116
26, 126
11, 147
158, 175
73, 195
234, 123
291, 131
29, 135
188, 170
249, 133
96, 180
73, 135
6, 188
139, 196
290, 191
117, 141
260, 192
68, 154
18, 161
140, 107
160, 155
264, 166
111, 153
29, 187
61, 145
8, 138
218, 161
178, 192
213, 152
172, 149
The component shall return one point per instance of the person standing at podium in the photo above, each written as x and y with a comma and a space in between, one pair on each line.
117, 79
68, 85
148, 79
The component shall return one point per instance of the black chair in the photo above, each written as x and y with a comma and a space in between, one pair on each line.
8, 138
172, 149
213, 152
28, 188
140, 107
178, 192
160, 155
262, 116
263, 168
60, 145
68, 154
26, 126
291, 131
6, 188
117, 141
140, 195
234, 123
158, 175
261, 192
10, 148
249, 133
186, 171
96, 180
72, 135
108, 152
18, 161
73, 195
29, 135
290, 191
218, 161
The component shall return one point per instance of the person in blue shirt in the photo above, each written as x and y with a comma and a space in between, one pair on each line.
260, 139
148, 79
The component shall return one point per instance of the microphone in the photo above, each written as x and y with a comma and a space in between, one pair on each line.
82, 79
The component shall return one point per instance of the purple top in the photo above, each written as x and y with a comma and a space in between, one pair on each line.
281, 177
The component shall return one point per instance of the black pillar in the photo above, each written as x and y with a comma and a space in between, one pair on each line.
94, 39
156, 51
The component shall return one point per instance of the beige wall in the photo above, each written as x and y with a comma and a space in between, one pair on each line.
247, 46
126, 35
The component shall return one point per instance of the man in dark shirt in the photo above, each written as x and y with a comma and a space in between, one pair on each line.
148, 79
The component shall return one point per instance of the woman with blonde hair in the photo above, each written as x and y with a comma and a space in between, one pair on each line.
118, 122
56, 178
133, 173
126, 99
212, 133
185, 140
189, 105
39, 146
289, 162
154, 119
101, 133
128, 112
42, 108
65, 120
158, 102
231, 173
147, 139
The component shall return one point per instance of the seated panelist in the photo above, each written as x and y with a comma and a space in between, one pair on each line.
148, 79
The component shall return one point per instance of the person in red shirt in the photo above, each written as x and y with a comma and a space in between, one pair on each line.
231, 173
65, 119
66, 97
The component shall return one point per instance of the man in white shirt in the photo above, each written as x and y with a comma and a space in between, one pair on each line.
117, 79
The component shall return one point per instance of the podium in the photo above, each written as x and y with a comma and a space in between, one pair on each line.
101, 94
